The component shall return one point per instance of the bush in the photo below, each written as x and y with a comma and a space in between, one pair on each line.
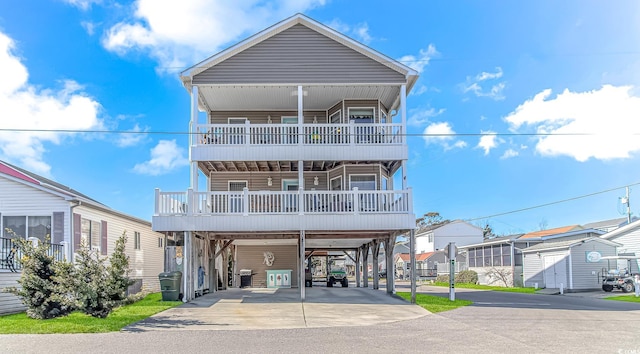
101, 288
465, 276
41, 284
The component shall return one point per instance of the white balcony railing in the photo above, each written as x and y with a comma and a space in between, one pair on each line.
291, 134
300, 202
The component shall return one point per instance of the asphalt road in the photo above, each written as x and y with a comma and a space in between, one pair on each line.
496, 323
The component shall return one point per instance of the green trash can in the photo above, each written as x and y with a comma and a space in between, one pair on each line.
170, 285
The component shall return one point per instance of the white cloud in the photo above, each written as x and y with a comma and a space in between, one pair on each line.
474, 86
421, 116
419, 62
165, 157
489, 141
442, 134
509, 153
597, 124
23, 106
132, 137
90, 27
179, 33
359, 32
82, 4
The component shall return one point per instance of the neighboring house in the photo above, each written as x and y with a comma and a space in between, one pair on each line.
428, 264
628, 236
573, 264
436, 238
301, 134
35, 207
608, 225
498, 259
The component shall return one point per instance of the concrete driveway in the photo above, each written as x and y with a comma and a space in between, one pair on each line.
242, 309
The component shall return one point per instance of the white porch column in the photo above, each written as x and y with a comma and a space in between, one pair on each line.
301, 282
365, 266
193, 137
358, 267
300, 115
412, 257
186, 268
375, 251
388, 249
403, 111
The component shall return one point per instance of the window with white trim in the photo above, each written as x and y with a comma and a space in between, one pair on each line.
27, 226
90, 233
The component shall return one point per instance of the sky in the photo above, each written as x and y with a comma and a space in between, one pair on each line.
538, 101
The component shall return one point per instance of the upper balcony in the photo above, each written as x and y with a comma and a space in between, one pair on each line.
330, 141
249, 211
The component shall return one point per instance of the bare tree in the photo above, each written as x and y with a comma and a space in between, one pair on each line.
500, 274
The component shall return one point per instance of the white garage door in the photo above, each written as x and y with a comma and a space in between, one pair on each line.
555, 271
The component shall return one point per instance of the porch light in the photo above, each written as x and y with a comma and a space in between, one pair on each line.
269, 119
269, 181
315, 181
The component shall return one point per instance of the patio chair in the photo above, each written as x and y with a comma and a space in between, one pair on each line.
8, 259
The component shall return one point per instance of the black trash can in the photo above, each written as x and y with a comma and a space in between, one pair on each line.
245, 278
170, 285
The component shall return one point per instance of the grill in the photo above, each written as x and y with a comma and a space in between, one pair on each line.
245, 278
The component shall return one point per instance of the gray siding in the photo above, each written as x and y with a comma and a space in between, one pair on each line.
298, 55
533, 270
8, 302
252, 257
257, 181
585, 274
630, 244
262, 117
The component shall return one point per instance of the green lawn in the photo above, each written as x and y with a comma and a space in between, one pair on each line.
435, 304
488, 287
627, 298
81, 323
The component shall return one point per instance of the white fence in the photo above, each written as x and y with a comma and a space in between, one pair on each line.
248, 202
292, 134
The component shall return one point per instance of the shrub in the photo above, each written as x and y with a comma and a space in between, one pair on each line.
465, 276
101, 288
41, 289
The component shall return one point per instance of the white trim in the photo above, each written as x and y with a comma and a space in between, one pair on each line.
26, 221
284, 180
282, 118
245, 120
339, 112
246, 184
570, 269
341, 183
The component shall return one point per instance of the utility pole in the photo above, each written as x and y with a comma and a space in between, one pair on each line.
626, 200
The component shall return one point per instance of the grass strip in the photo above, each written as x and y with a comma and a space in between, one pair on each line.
625, 298
435, 304
78, 322
488, 287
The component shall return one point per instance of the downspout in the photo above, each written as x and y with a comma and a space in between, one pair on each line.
570, 270
513, 263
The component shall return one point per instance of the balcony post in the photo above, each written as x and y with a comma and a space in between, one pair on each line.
409, 200
300, 201
403, 109
245, 201
356, 201
247, 133
352, 133
157, 197
190, 203
300, 115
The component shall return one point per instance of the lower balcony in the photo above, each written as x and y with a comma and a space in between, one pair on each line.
280, 211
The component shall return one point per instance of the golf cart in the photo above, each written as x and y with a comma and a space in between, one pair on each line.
616, 277
337, 272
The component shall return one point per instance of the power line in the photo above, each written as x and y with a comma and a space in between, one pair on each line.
552, 203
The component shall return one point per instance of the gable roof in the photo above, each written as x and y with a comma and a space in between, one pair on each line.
621, 230
48, 185
409, 73
549, 232
607, 223
563, 244
30, 177
495, 241
422, 231
420, 257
